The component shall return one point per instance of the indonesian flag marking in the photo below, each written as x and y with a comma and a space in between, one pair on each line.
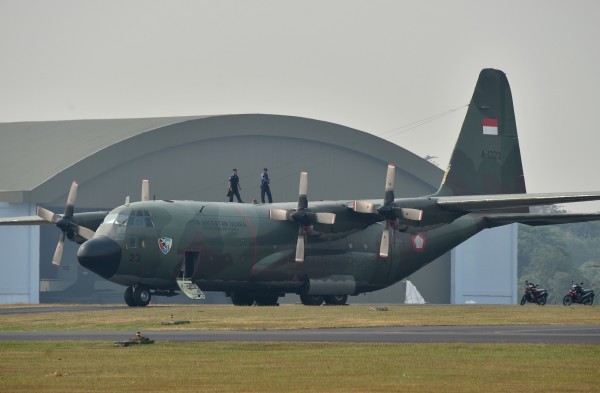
490, 126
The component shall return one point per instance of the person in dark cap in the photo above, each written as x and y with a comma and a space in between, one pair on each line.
264, 186
234, 187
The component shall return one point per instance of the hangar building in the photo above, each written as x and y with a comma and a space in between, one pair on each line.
191, 158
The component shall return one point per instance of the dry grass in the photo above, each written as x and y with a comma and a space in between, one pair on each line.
225, 317
297, 367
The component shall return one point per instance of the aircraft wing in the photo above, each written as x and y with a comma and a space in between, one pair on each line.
25, 220
531, 219
473, 203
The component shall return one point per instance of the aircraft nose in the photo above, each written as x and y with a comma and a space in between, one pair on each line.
101, 255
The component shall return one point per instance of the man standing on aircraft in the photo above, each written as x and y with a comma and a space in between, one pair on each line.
264, 186
234, 187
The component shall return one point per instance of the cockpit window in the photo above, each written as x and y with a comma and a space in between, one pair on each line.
118, 219
118, 223
140, 219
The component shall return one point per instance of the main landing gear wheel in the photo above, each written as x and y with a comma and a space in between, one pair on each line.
336, 300
311, 300
141, 296
266, 300
242, 299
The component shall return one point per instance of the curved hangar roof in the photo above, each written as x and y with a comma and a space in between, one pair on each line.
191, 158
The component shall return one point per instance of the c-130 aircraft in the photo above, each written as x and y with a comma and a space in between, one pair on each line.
324, 251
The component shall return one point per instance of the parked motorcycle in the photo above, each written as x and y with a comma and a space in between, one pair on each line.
534, 294
579, 295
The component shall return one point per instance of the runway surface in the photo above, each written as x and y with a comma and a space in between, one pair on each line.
547, 334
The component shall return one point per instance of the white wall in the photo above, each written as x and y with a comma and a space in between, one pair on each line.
484, 268
19, 258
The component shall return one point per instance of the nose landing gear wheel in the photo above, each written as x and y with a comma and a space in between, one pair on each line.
128, 295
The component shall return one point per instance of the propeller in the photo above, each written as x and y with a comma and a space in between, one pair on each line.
65, 223
303, 216
388, 211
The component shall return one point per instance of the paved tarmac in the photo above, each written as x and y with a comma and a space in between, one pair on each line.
547, 334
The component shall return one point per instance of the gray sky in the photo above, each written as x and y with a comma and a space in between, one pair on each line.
377, 66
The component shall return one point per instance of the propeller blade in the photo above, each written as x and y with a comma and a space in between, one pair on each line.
364, 207
325, 218
278, 215
59, 250
303, 191
83, 231
384, 248
47, 215
145, 190
389, 184
300, 246
411, 214
71, 200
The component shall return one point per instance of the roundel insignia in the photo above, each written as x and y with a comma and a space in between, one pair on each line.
419, 242
165, 243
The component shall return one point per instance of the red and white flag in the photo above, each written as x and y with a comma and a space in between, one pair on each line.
490, 126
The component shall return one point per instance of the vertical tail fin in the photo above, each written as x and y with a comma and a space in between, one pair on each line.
486, 158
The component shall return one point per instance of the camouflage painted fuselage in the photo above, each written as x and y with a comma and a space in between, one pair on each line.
236, 247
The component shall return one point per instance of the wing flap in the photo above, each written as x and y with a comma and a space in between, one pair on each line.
474, 203
532, 219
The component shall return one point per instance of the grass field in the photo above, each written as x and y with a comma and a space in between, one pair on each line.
211, 317
296, 367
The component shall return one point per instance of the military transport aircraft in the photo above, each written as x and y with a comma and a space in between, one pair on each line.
257, 253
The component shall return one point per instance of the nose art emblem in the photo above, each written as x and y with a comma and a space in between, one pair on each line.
165, 243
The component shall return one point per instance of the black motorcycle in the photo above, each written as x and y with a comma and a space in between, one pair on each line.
534, 294
579, 295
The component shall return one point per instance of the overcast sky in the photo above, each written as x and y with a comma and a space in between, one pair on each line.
401, 70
